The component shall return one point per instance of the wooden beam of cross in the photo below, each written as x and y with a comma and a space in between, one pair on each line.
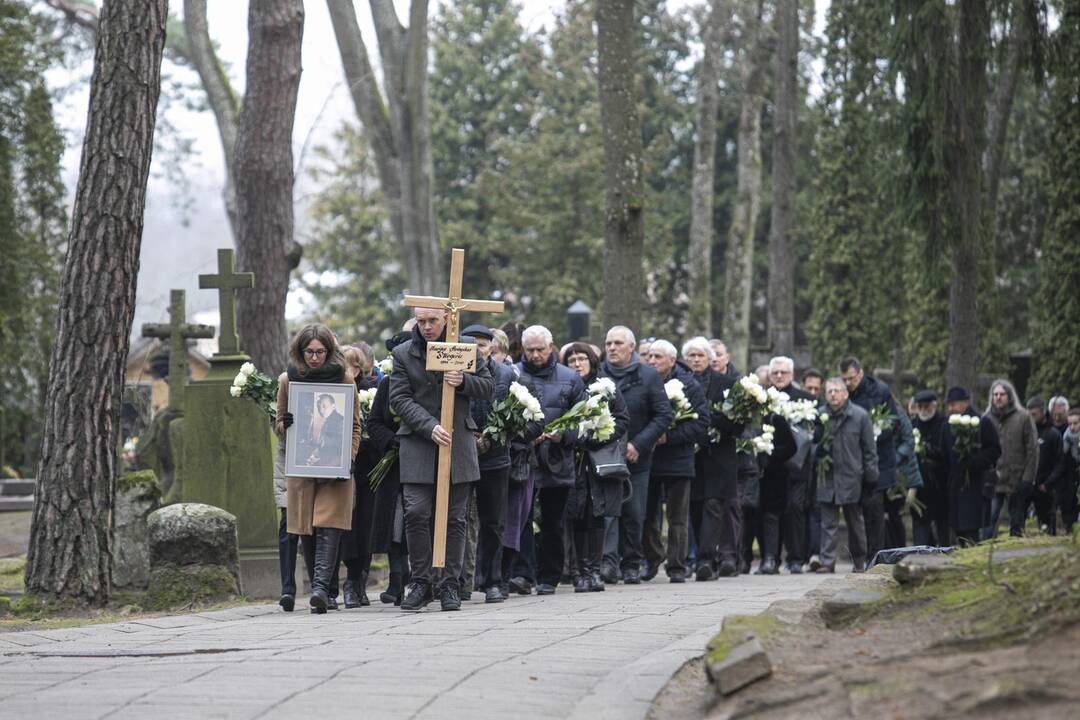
227, 282
453, 304
176, 333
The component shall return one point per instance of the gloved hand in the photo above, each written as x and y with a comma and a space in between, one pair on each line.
287, 420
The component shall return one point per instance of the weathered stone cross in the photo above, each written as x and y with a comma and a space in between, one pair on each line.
227, 282
449, 355
177, 332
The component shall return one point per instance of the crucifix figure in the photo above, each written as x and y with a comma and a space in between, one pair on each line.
227, 282
449, 355
177, 332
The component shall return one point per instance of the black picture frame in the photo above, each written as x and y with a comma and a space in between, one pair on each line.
319, 442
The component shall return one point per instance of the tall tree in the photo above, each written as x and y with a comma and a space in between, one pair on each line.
71, 533
263, 169
624, 218
398, 125
739, 259
781, 307
1057, 342
703, 192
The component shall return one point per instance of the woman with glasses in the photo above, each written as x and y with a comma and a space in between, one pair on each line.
593, 498
317, 510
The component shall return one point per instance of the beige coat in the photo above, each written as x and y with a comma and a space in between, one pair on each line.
314, 503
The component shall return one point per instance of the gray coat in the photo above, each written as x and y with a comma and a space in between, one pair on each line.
416, 395
854, 456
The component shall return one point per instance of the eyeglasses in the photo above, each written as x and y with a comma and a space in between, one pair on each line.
314, 353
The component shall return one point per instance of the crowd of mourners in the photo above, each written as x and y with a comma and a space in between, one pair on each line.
673, 478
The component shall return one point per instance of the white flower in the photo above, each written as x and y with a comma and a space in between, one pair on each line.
972, 421
235, 390
240, 380
768, 430
247, 368
603, 386
386, 365
674, 389
593, 402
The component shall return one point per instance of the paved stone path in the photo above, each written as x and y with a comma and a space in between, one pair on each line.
594, 655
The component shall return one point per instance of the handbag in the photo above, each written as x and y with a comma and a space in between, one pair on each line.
803, 440
609, 461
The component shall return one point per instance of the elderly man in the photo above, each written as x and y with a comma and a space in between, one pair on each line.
795, 475
721, 359
673, 468
650, 415
416, 395
1019, 457
847, 446
558, 388
931, 527
1058, 407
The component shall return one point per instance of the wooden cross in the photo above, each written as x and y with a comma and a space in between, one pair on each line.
449, 355
177, 332
227, 282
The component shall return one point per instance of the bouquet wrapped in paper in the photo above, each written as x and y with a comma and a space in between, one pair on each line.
254, 385
509, 416
591, 417
680, 406
746, 401
965, 431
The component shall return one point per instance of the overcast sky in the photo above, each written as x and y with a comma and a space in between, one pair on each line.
179, 245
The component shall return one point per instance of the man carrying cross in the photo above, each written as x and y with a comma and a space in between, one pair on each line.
417, 395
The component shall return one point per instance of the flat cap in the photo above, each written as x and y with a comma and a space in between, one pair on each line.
476, 331
925, 396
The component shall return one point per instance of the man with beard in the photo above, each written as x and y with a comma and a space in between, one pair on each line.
795, 474
558, 388
1019, 457
650, 415
416, 395
932, 526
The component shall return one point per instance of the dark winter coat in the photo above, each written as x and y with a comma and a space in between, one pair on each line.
907, 464
716, 465
382, 434
416, 394
775, 475
967, 476
934, 463
1019, 449
854, 457
675, 457
558, 388
496, 457
650, 412
1051, 450
605, 494
872, 393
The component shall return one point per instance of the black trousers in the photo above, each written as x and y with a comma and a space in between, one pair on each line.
419, 502
895, 532
549, 541
491, 511
794, 521
873, 510
287, 547
356, 543
932, 527
716, 525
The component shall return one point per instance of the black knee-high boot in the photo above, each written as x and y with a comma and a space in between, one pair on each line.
326, 547
393, 594
307, 549
595, 537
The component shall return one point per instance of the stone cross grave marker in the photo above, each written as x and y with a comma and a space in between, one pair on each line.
176, 333
227, 281
449, 355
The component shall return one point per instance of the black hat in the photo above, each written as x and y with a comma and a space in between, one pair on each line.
476, 331
956, 394
395, 340
925, 396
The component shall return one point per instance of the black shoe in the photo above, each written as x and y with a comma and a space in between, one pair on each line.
493, 595
597, 584
744, 568
794, 568
520, 585
504, 588
583, 583
610, 575
768, 567
545, 589
822, 568
318, 602
449, 597
417, 597
632, 576
393, 593
349, 595
728, 569
677, 577
287, 602
361, 589
466, 595
650, 571
860, 566
704, 572
815, 563
331, 603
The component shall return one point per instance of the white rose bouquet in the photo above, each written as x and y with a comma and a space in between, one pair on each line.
745, 402
509, 416
680, 407
965, 430
256, 386
386, 365
365, 398
759, 444
591, 417
799, 413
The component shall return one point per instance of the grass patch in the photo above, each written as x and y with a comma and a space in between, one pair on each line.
11, 574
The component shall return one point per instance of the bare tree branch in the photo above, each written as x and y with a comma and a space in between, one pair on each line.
82, 14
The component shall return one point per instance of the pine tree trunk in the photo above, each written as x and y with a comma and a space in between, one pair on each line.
70, 539
781, 307
624, 221
263, 170
699, 254
739, 261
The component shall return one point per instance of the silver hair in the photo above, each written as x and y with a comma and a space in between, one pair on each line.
630, 339
1057, 400
538, 331
665, 347
782, 360
698, 343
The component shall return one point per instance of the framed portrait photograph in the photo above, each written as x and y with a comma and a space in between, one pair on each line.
319, 443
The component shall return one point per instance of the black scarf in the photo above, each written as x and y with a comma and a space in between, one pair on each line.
328, 372
541, 370
421, 343
618, 373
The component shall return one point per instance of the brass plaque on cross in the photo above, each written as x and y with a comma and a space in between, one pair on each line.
444, 356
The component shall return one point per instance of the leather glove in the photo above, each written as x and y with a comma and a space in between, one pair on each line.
287, 420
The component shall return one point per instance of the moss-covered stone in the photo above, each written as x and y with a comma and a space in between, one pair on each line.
736, 629
142, 483
174, 586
